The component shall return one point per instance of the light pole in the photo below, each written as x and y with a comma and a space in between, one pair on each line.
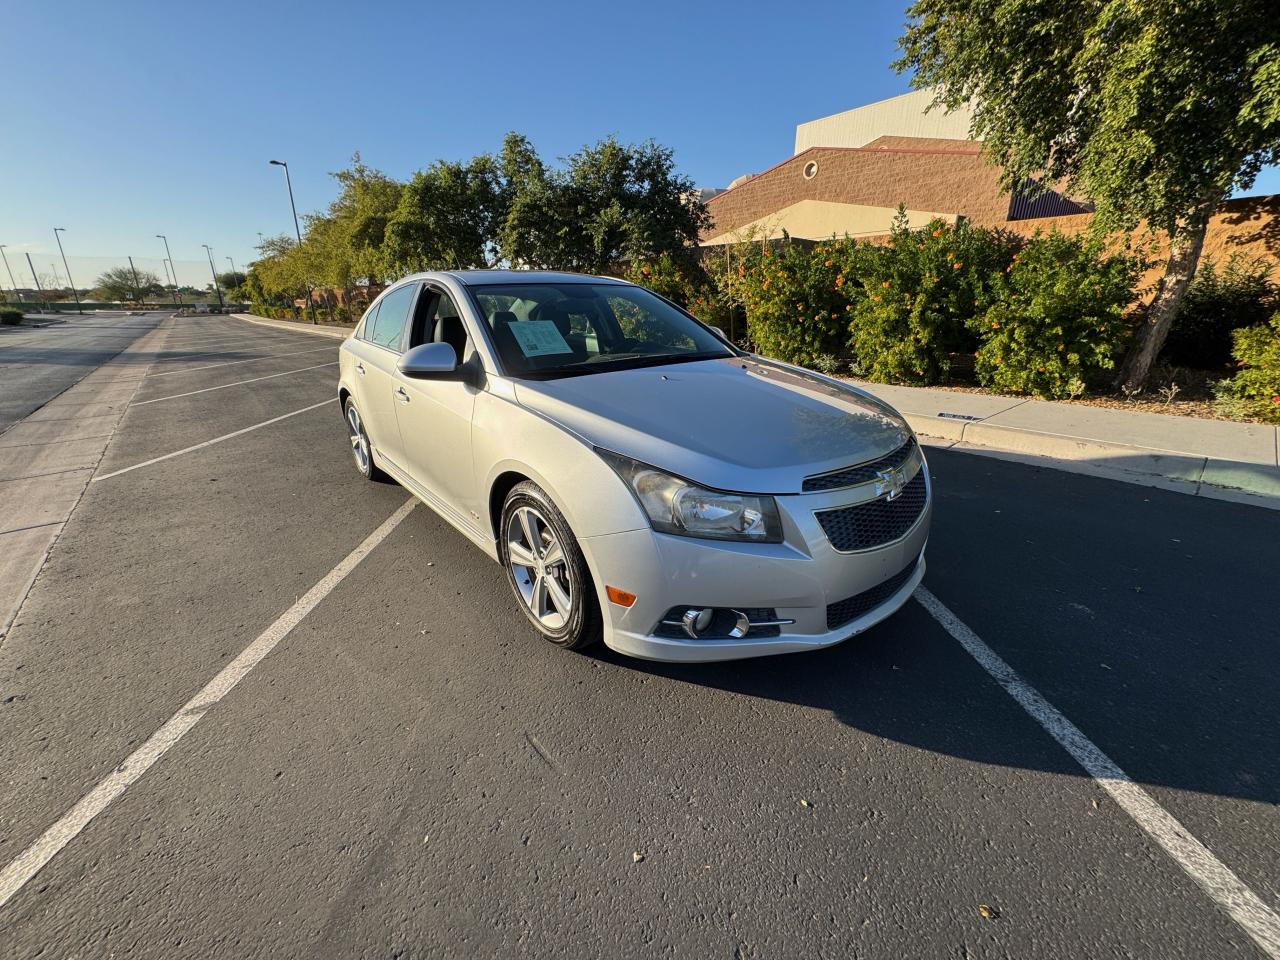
311, 307
174, 267
213, 273
9, 270
39, 289
74, 292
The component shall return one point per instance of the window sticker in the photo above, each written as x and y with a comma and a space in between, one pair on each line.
537, 338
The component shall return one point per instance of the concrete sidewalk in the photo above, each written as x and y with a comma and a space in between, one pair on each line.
1214, 458
338, 331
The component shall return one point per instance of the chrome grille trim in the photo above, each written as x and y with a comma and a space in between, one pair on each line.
859, 473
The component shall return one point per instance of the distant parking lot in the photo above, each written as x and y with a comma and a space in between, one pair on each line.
408, 771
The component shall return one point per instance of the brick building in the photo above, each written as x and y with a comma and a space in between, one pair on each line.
850, 172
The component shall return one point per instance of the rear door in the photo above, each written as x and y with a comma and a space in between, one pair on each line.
376, 350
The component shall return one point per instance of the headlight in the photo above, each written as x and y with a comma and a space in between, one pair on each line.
677, 506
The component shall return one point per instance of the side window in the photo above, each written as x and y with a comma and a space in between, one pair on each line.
366, 324
447, 327
393, 311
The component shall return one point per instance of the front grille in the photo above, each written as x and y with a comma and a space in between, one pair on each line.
877, 522
850, 609
862, 473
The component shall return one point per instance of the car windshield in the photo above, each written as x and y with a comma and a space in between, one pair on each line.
544, 330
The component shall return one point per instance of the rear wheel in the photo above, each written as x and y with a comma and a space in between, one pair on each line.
361, 450
546, 569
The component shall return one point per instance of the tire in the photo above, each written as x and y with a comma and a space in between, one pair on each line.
529, 516
361, 448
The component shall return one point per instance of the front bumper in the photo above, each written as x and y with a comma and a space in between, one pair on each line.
799, 578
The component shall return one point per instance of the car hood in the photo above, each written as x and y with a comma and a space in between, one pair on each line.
740, 424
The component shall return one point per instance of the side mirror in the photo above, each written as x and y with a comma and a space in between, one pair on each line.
429, 361
718, 332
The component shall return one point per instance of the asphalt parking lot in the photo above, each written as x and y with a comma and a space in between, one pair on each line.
400, 768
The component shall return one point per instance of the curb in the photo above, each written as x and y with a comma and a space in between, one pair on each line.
296, 327
1196, 474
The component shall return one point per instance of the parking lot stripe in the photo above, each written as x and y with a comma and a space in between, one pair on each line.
1257, 919
227, 363
235, 383
69, 825
209, 443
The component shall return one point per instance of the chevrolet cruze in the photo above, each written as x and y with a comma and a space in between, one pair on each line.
643, 481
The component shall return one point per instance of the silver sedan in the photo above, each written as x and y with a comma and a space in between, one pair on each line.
643, 481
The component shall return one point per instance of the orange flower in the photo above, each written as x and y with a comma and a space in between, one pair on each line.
938, 232
957, 265
839, 282
885, 284
829, 262
994, 325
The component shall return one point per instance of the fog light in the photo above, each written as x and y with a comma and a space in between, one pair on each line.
696, 620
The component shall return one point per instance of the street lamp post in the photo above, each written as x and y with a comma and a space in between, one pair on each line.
213, 273
9, 270
39, 289
173, 266
311, 307
137, 287
74, 292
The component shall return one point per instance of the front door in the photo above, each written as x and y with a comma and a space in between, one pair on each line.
435, 415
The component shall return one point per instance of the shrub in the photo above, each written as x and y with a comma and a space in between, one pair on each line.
1241, 294
796, 299
1255, 390
1057, 318
687, 284
918, 293
10, 316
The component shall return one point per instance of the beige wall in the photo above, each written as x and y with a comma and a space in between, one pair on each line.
902, 116
823, 219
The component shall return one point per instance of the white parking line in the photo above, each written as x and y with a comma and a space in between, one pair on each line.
236, 383
1217, 880
227, 363
33, 859
209, 443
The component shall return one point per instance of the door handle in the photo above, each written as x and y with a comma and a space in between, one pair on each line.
400, 392
360, 369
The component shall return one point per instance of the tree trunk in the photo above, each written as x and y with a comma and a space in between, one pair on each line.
1185, 245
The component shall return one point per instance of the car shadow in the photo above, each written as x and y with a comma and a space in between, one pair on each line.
1147, 617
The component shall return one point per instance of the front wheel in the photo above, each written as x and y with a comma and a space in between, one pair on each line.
546, 569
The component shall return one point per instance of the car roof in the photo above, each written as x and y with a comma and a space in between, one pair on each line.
474, 277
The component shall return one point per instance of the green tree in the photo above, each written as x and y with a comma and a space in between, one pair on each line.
231, 282
610, 204
446, 217
1153, 109
122, 283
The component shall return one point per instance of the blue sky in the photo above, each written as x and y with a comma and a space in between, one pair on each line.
133, 119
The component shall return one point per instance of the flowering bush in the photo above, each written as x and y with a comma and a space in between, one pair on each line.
687, 284
796, 300
917, 292
1255, 390
1056, 319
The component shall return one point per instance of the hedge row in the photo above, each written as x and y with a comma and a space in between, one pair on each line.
1045, 316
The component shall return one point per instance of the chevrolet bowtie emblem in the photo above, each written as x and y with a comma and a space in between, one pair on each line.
890, 483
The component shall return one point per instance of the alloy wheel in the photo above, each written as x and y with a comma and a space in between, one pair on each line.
359, 440
539, 567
